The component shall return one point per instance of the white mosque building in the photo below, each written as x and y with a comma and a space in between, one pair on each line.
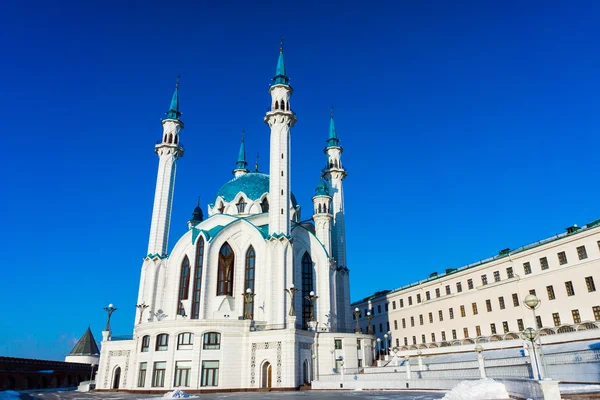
249, 297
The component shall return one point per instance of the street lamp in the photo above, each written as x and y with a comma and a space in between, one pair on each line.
314, 367
385, 345
356, 316
109, 310
369, 318
141, 308
389, 341
479, 350
530, 334
378, 347
92, 375
533, 303
248, 298
292, 291
312, 298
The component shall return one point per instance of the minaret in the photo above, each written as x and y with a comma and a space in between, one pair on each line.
169, 151
322, 215
280, 119
241, 164
197, 216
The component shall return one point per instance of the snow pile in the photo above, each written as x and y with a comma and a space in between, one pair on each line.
484, 389
9, 395
178, 394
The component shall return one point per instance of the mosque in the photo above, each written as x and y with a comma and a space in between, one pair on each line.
252, 296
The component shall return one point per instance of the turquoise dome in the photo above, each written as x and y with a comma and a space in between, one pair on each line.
253, 185
321, 189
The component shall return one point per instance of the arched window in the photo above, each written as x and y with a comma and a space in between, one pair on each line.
325, 208
264, 205
307, 287
162, 342
184, 284
145, 344
288, 106
185, 341
212, 341
225, 275
165, 138
319, 208
176, 139
171, 138
241, 205
222, 208
196, 291
282, 105
249, 279
276, 105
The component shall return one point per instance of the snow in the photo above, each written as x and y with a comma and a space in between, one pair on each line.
178, 394
484, 389
9, 395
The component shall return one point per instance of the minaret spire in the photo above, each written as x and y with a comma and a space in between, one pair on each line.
173, 112
333, 139
280, 77
241, 164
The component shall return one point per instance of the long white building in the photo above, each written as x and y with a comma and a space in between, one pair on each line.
484, 302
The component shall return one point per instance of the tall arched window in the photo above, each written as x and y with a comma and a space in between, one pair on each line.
276, 105
197, 278
283, 105
264, 205
225, 275
171, 138
184, 284
288, 106
307, 287
249, 278
176, 138
241, 205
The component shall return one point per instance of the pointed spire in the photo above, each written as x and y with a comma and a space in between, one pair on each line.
241, 161
197, 214
281, 77
86, 345
256, 164
333, 140
173, 112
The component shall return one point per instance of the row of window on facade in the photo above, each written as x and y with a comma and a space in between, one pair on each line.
544, 265
170, 139
183, 372
241, 206
225, 276
281, 105
185, 341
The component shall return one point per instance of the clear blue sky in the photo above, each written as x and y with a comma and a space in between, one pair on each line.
467, 127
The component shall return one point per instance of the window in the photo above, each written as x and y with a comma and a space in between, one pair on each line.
395, 325
484, 280
437, 292
185, 341
225, 272
403, 323
423, 340
550, 290
451, 312
264, 205
142, 374
544, 263
338, 344
576, 317
458, 287
470, 283
401, 303
556, 319
378, 308
162, 342
358, 344
505, 326
418, 297
454, 334
501, 302
410, 300
414, 338
197, 278
433, 338
515, 297
145, 344
388, 325
210, 373
493, 328
397, 343
183, 371
569, 287
241, 205
478, 330
387, 307
184, 284
562, 258
527, 268
462, 311
520, 325
249, 281
509, 273
466, 332
488, 305
596, 311
405, 341
496, 276
581, 252
158, 376
447, 289
428, 295
394, 305
532, 291
420, 319
212, 341
474, 306
441, 315
431, 318
538, 321
589, 282
412, 321
443, 335
307, 287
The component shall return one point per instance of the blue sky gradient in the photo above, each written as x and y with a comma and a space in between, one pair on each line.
468, 127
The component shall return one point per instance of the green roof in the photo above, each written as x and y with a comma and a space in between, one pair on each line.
241, 160
333, 140
86, 346
173, 112
280, 77
252, 184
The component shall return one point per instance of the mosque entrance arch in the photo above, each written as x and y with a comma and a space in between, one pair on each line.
267, 372
116, 378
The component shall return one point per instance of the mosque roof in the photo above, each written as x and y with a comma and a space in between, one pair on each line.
86, 345
252, 184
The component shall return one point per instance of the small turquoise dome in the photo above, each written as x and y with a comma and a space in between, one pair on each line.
321, 189
253, 185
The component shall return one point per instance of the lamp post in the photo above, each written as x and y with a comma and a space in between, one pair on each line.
407, 363
92, 374
530, 334
369, 318
248, 298
356, 316
533, 303
292, 291
389, 348
333, 360
420, 360
342, 366
479, 350
378, 348
141, 308
109, 310
314, 368
312, 298
385, 346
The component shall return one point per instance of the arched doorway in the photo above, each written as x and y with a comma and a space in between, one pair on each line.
267, 372
116, 378
305, 374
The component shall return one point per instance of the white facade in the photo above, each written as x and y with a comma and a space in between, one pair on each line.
485, 300
215, 312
